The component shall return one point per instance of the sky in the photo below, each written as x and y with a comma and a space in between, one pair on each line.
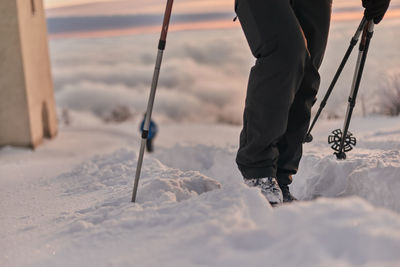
98, 18
124, 7
204, 72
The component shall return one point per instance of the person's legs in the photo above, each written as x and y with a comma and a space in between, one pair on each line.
314, 18
149, 145
277, 41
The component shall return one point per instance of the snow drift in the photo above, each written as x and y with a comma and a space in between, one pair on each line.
193, 208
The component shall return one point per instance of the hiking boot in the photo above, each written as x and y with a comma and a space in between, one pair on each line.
287, 196
269, 188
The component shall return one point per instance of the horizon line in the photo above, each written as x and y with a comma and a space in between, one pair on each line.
182, 24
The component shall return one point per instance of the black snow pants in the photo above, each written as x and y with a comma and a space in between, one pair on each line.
149, 145
288, 39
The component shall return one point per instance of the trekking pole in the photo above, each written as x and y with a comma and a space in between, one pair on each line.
345, 137
308, 138
145, 133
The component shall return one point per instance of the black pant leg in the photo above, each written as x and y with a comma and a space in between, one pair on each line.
277, 41
149, 145
314, 18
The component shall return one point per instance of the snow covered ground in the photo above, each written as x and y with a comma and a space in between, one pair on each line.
68, 203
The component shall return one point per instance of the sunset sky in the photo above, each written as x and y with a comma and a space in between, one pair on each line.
108, 48
102, 7
127, 7
120, 17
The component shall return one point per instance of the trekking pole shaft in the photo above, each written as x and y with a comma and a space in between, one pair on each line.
161, 48
332, 85
362, 57
353, 42
138, 169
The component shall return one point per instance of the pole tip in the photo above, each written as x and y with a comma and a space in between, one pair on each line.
308, 138
340, 155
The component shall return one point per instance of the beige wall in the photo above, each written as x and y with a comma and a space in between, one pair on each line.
14, 122
36, 60
29, 78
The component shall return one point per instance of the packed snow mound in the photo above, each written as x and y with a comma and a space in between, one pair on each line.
116, 171
371, 174
184, 186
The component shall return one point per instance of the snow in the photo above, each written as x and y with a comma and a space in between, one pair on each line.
68, 202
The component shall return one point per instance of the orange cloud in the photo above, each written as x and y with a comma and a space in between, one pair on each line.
214, 24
